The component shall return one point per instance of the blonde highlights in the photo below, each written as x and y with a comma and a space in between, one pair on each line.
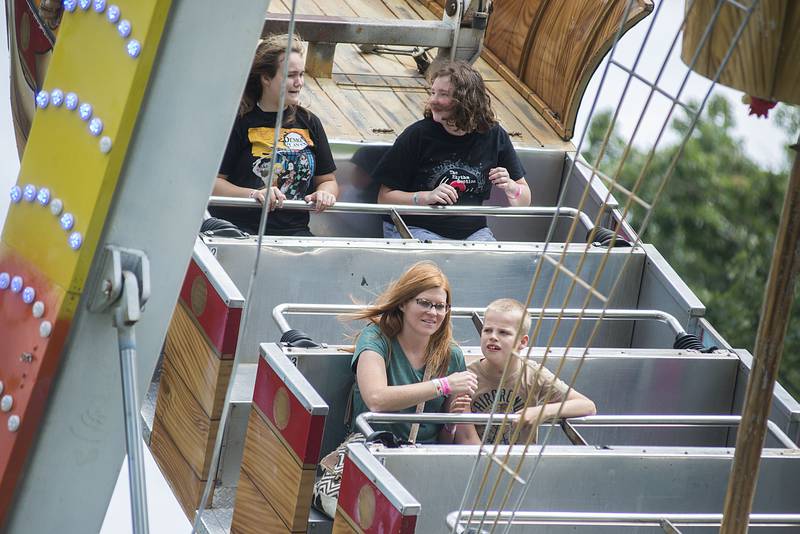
386, 312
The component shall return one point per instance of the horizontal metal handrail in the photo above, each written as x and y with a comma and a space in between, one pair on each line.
280, 310
363, 421
386, 209
467, 517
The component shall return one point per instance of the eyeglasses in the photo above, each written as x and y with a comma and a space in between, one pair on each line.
440, 307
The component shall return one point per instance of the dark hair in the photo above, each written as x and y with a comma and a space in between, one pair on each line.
267, 60
473, 106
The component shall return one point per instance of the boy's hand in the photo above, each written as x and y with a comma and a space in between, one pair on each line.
460, 404
530, 415
463, 382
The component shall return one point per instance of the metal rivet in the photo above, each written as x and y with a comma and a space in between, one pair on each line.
6, 403
45, 328
13, 423
38, 309
105, 144
56, 206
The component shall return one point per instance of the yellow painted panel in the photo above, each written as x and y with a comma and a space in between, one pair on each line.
89, 59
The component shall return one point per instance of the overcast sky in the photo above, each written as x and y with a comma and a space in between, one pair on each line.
763, 141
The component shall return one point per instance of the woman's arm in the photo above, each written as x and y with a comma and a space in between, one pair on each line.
517, 191
224, 188
378, 395
325, 193
443, 194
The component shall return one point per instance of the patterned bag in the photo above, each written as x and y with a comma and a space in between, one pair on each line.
326, 489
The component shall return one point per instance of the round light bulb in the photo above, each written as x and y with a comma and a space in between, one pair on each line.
134, 48
28, 294
75, 240
85, 111
124, 28
113, 13
42, 99
70, 5
71, 101
16, 284
16, 194
84, 4
43, 196
105, 144
45, 328
6, 403
67, 221
13, 423
95, 126
56, 97
99, 5
5, 280
38, 309
56, 206
29, 193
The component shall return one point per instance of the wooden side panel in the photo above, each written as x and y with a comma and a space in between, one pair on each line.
276, 472
342, 525
186, 487
253, 514
196, 362
185, 421
509, 27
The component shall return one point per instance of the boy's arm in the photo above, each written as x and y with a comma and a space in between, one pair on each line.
576, 405
464, 434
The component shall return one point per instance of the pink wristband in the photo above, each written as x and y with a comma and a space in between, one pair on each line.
518, 193
446, 389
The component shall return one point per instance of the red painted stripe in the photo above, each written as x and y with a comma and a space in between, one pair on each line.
302, 431
29, 365
218, 321
386, 519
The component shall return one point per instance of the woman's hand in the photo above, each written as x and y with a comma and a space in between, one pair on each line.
322, 200
276, 198
443, 194
463, 382
501, 179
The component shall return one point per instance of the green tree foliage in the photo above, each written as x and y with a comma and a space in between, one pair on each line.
715, 220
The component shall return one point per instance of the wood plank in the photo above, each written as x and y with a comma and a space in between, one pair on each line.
186, 487
337, 125
389, 107
196, 362
276, 472
349, 104
414, 101
336, 8
188, 425
342, 525
252, 514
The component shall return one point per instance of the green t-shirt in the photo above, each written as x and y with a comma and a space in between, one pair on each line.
399, 372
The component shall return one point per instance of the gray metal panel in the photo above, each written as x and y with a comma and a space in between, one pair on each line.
336, 272
663, 289
236, 428
642, 382
157, 208
785, 410
587, 480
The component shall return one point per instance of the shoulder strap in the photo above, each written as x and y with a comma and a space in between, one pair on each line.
412, 435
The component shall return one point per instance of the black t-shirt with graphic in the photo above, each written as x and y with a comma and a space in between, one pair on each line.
303, 152
425, 155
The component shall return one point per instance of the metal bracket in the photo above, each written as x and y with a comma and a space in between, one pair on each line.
572, 433
477, 322
400, 224
108, 285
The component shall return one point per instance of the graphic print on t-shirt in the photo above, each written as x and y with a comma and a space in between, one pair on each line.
483, 404
294, 164
467, 179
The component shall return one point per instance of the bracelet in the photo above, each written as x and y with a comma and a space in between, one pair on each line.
437, 384
518, 193
446, 389
414, 198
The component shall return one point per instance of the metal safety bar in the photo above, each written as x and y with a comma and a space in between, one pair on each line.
280, 310
469, 517
363, 421
402, 209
